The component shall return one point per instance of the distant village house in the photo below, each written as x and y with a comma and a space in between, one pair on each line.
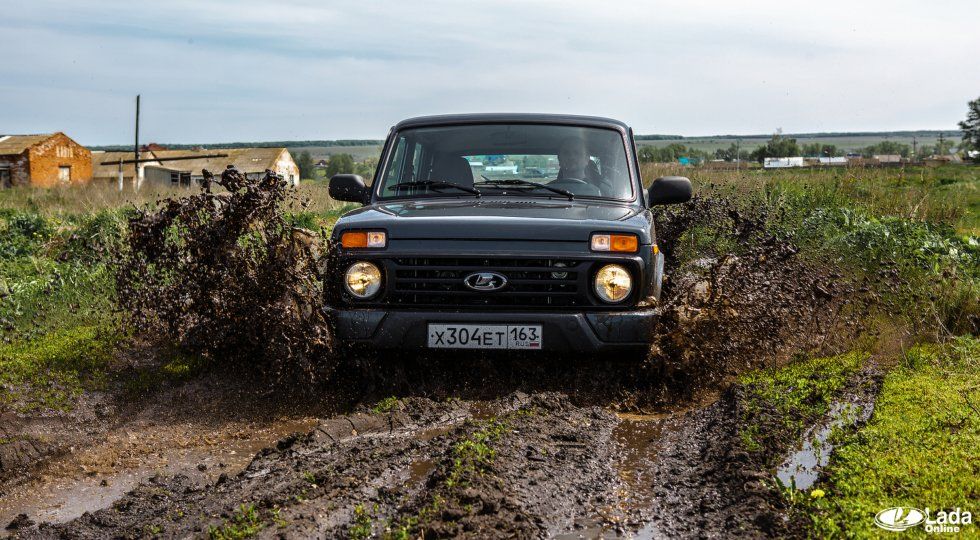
46, 160
106, 166
251, 161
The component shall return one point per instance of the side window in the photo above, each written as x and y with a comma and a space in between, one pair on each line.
5, 181
64, 174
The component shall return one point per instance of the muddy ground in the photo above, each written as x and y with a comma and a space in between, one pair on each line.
571, 464
514, 446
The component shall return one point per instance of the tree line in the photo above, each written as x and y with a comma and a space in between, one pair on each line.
342, 163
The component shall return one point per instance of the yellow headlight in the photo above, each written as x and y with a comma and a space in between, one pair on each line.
363, 279
613, 283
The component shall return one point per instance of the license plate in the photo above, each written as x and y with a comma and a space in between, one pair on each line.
485, 336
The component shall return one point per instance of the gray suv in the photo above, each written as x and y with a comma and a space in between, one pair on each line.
500, 231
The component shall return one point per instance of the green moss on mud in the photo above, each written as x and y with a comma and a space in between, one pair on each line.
779, 404
51, 371
471, 457
921, 448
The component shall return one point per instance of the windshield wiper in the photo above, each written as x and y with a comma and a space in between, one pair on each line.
527, 183
434, 184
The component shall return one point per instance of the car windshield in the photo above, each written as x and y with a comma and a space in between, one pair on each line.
519, 160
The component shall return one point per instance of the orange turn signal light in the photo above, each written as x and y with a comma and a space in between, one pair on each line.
363, 239
619, 243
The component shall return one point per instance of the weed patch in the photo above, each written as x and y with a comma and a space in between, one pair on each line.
244, 523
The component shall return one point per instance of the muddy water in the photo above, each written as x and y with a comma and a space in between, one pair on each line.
76, 484
637, 437
801, 469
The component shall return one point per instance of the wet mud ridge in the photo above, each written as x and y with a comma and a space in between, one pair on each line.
705, 483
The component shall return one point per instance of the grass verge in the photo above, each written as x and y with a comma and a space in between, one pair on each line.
51, 371
921, 447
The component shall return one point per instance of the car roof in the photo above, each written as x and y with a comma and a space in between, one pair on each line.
512, 118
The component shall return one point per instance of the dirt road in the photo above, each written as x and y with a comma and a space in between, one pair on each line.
525, 465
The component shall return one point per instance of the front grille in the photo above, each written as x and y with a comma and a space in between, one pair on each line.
438, 281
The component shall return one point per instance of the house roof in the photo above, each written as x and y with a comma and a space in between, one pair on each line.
16, 144
112, 171
247, 160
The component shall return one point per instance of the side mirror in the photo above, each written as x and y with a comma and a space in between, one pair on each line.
669, 190
350, 188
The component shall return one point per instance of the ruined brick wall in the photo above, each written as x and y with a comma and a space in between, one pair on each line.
48, 157
17, 164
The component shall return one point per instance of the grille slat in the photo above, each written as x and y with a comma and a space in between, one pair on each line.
438, 281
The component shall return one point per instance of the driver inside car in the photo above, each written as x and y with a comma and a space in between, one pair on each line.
576, 167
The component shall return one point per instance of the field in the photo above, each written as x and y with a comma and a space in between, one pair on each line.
818, 364
844, 142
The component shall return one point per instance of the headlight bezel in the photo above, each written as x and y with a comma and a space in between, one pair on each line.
597, 290
379, 283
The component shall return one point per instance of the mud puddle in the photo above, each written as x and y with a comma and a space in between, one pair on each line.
93, 478
801, 468
637, 441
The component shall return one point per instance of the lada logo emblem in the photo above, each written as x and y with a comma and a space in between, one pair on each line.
485, 281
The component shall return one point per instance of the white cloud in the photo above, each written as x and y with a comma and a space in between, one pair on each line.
218, 71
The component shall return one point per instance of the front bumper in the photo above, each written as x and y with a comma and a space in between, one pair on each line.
572, 331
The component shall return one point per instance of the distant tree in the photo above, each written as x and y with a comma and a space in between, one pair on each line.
821, 150
366, 168
943, 146
886, 148
340, 164
732, 153
670, 153
305, 163
778, 146
971, 128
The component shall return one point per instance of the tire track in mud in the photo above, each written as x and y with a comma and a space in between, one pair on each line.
552, 462
548, 468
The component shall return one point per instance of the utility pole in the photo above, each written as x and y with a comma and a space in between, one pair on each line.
136, 148
915, 149
738, 154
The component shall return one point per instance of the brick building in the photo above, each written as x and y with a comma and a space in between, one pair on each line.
43, 160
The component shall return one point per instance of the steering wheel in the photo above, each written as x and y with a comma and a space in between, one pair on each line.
571, 180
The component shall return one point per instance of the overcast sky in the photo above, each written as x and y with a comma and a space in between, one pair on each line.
251, 70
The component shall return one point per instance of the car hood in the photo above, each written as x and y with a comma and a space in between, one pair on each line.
498, 219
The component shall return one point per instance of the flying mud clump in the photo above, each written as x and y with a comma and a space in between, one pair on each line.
738, 296
225, 275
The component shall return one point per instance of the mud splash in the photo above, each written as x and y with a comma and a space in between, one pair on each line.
742, 301
225, 275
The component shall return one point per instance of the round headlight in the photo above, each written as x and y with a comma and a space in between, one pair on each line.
363, 280
613, 283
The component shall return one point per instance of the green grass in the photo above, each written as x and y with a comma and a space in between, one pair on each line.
51, 371
471, 457
921, 447
780, 403
244, 523
386, 405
